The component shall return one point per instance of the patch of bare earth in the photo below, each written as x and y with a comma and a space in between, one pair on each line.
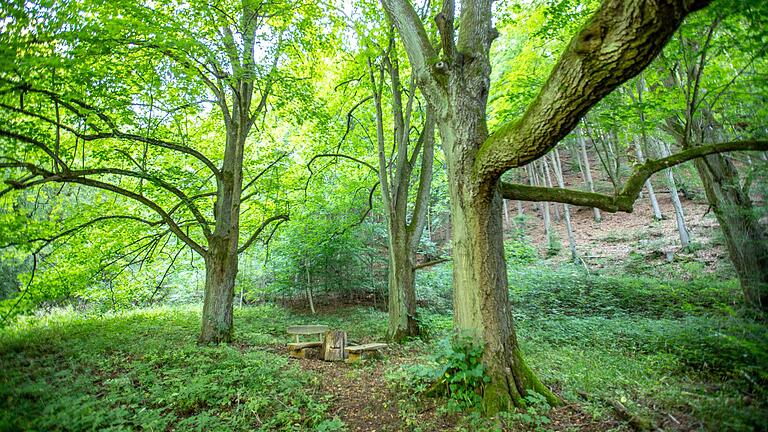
361, 399
359, 395
609, 242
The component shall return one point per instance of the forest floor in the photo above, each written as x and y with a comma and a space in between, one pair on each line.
622, 239
631, 326
677, 354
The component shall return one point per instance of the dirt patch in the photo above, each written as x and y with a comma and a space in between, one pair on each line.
359, 394
360, 397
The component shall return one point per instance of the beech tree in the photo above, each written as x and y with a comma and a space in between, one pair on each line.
88, 84
618, 41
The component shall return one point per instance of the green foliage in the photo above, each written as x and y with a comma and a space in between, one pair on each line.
554, 245
569, 290
668, 345
519, 252
144, 370
433, 288
454, 370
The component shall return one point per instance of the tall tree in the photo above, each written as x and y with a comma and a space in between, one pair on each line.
224, 57
727, 194
620, 39
411, 130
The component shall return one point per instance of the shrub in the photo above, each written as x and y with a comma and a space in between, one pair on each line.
519, 252
455, 371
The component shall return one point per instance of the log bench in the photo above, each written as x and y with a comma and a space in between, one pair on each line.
356, 352
296, 349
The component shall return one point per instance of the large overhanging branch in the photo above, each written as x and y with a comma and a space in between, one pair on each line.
68, 175
625, 199
63, 177
281, 218
618, 42
50, 239
81, 108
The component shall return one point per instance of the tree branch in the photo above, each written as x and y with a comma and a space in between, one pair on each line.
421, 54
618, 42
115, 132
624, 200
430, 263
165, 216
255, 235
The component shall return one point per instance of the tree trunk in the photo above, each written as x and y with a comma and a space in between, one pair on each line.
685, 238
222, 257
402, 288
549, 184
651, 194
310, 298
506, 213
744, 238
481, 304
545, 206
220, 272
480, 294
587, 169
561, 184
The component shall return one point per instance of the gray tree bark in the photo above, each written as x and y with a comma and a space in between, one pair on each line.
618, 42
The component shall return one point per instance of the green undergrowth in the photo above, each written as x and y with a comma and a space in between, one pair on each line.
665, 349
143, 370
570, 290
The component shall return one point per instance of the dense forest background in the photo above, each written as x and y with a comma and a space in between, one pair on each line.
282, 157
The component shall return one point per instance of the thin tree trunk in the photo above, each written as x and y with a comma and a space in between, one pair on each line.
587, 169
561, 183
531, 170
549, 184
545, 205
651, 194
506, 213
309, 290
685, 238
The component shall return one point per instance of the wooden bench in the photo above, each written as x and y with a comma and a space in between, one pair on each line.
356, 352
297, 349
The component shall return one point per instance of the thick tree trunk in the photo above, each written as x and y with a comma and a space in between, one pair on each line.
220, 272
480, 295
222, 257
481, 305
746, 242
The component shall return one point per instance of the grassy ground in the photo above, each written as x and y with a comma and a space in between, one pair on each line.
674, 353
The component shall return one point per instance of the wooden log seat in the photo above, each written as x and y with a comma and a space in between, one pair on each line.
297, 349
357, 352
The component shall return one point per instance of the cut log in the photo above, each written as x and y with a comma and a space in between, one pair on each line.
297, 350
356, 352
334, 343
